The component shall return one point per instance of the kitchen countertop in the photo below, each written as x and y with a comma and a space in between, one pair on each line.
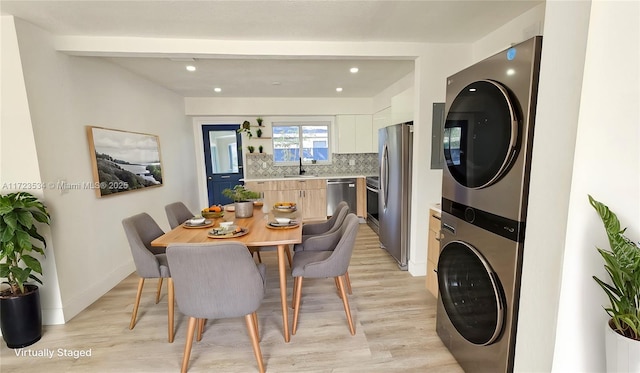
334, 176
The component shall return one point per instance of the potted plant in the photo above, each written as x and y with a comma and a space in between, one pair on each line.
20, 313
243, 200
259, 132
622, 263
251, 148
246, 128
260, 148
259, 120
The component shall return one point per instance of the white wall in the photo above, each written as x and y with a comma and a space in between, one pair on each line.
607, 165
524, 27
65, 94
19, 161
555, 132
263, 106
435, 64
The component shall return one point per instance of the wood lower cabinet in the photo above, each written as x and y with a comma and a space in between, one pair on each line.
433, 251
361, 197
309, 195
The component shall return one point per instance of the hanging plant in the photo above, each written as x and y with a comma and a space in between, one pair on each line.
246, 128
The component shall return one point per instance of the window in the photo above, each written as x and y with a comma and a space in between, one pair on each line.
312, 137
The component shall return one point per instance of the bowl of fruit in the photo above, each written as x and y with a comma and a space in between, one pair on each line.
212, 212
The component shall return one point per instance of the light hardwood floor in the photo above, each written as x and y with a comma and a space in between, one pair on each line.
393, 313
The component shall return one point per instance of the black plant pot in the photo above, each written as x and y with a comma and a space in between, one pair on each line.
21, 318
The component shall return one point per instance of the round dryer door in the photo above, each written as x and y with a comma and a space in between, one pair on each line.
480, 134
470, 292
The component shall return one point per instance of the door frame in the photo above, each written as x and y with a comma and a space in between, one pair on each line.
198, 146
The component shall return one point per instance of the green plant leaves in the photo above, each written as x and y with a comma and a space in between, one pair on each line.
18, 233
622, 263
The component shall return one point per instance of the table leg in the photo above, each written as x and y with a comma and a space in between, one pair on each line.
283, 290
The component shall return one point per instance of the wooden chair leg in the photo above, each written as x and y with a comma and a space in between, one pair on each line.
187, 346
296, 307
252, 328
259, 257
255, 323
159, 289
288, 252
134, 314
171, 307
293, 294
200, 329
345, 302
348, 281
335, 279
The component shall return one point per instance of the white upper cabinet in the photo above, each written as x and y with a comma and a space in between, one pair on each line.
354, 134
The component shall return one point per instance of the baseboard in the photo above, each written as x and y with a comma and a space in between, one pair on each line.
83, 300
417, 269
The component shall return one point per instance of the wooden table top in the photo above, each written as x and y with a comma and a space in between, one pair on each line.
259, 234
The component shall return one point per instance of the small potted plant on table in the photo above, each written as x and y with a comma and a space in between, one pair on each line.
20, 313
243, 200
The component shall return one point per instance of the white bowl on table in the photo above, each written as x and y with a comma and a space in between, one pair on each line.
226, 224
197, 220
283, 220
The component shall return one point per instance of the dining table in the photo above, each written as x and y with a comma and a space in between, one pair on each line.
256, 231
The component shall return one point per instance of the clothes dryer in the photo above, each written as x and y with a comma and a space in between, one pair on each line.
479, 286
488, 131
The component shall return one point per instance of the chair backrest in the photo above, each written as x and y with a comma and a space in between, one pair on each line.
338, 216
177, 213
141, 229
338, 262
329, 226
215, 280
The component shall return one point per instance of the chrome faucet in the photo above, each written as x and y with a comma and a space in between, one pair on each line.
302, 171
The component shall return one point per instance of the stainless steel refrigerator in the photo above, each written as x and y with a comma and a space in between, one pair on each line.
395, 149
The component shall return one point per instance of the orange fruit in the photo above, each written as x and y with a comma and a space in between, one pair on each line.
206, 209
215, 208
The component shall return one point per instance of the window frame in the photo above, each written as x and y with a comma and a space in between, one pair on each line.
301, 122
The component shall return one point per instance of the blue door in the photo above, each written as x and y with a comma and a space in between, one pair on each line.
223, 160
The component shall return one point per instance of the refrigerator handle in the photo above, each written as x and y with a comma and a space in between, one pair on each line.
384, 175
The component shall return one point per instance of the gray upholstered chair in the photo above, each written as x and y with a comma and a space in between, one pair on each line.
328, 226
151, 262
177, 213
333, 261
215, 281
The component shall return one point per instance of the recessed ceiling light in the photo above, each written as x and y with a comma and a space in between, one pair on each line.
217, 89
191, 68
354, 70
338, 89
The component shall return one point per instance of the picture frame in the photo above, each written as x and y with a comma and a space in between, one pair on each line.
123, 161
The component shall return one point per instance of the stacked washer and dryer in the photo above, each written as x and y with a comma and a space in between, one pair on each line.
488, 138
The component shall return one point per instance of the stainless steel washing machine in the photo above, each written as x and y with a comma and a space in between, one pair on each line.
479, 285
488, 138
488, 131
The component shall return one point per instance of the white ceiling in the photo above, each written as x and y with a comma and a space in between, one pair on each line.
450, 21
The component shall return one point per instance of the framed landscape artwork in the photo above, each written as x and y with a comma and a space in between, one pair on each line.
123, 161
